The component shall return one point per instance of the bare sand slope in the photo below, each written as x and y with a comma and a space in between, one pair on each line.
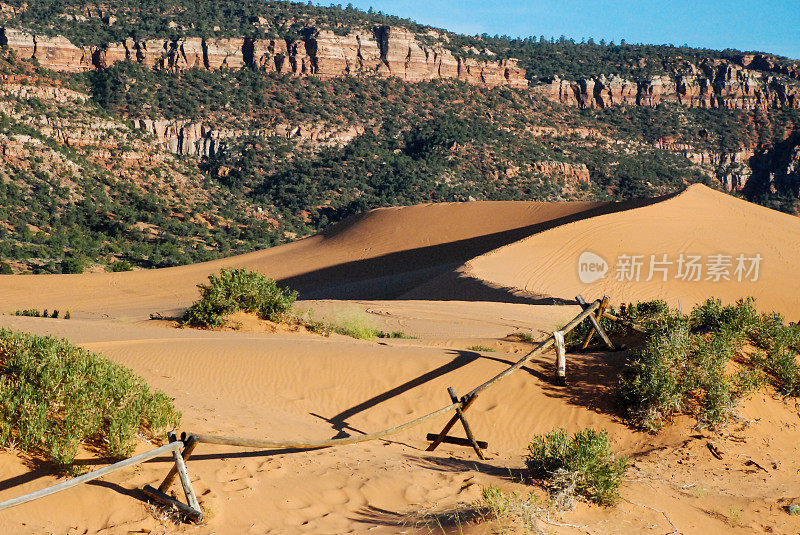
698, 222
378, 255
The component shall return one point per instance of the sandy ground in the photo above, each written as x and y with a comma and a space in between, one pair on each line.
288, 386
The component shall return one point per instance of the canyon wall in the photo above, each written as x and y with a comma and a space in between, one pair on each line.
383, 51
711, 84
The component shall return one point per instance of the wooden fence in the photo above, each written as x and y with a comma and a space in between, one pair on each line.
183, 447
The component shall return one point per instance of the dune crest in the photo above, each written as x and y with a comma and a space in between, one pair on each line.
700, 222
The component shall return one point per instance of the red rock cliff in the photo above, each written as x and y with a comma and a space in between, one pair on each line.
382, 51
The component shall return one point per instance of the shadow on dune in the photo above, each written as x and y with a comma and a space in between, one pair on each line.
447, 521
339, 421
451, 464
591, 378
392, 275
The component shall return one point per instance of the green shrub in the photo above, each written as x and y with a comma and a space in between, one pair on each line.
55, 396
30, 312
238, 289
682, 365
480, 348
394, 334
120, 265
587, 455
72, 265
5, 269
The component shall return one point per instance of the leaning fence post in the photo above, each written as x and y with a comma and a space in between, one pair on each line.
191, 443
594, 319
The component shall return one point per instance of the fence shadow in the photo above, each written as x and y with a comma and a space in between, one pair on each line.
339, 421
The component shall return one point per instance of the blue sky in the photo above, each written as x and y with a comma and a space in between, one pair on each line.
766, 25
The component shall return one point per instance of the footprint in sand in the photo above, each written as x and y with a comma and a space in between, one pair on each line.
237, 479
334, 497
415, 493
290, 504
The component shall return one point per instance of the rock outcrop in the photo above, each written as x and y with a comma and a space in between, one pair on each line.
383, 51
712, 84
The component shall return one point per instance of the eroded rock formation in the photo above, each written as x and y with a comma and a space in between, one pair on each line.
382, 51
711, 84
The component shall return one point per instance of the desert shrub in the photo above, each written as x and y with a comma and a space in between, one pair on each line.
394, 334
643, 314
120, 265
55, 396
511, 510
682, 366
35, 313
5, 269
480, 348
30, 312
72, 265
238, 289
586, 456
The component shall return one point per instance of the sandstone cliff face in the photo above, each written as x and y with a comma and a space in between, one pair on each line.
383, 51
712, 84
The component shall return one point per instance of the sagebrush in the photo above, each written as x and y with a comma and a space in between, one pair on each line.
238, 289
684, 365
586, 456
55, 397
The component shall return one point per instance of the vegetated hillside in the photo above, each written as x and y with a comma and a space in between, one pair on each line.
79, 186
165, 161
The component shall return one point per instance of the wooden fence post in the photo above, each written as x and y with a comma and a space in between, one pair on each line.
561, 357
595, 319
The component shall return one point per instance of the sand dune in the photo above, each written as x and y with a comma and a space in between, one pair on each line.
699, 222
378, 255
469, 271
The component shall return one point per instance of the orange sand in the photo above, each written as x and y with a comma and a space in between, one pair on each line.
287, 386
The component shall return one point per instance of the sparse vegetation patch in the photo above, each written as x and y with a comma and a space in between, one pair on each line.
584, 460
55, 397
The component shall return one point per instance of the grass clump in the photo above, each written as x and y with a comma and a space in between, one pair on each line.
35, 313
355, 323
238, 289
480, 348
55, 396
511, 511
524, 336
684, 363
585, 459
